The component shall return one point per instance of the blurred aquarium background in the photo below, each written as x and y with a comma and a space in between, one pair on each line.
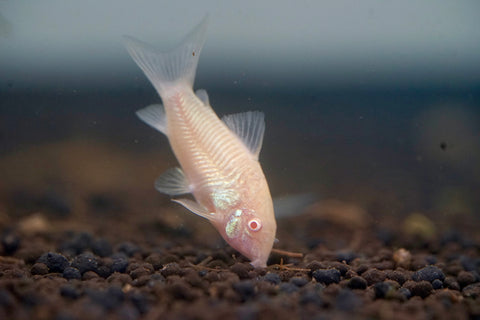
375, 103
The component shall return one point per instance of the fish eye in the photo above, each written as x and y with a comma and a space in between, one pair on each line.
255, 225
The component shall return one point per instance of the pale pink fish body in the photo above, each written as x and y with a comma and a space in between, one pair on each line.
218, 159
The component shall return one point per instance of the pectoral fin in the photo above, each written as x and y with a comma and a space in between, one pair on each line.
196, 208
292, 205
173, 182
154, 115
203, 96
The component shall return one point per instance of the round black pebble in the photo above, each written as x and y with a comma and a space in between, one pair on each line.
288, 287
104, 271
69, 291
10, 242
78, 243
120, 262
310, 297
71, 273
347, 300
128, 248
437, 284
85, 262
6, 298
429, 274
54, 261
101, 247
109, 299
357, 283
327, 276
346, 256
383, 290
140, 301
246, 289
299, 281
272, 278
406, 293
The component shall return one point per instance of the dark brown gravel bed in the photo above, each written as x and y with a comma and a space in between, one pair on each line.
57, 273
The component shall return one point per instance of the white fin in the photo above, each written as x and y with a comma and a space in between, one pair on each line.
165, 69
202, 95
249, 127
292, 205
172, 182
154, 115
196, 208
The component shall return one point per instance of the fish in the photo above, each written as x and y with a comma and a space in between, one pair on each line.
218, 158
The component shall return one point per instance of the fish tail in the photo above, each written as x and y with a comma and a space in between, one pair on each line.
171, 68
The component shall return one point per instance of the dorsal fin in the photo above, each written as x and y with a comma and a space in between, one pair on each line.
249, 127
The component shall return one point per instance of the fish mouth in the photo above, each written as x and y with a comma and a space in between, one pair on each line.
259, 263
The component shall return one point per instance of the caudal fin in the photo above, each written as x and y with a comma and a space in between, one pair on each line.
174, 67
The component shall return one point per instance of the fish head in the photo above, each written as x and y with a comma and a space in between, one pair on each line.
251, 232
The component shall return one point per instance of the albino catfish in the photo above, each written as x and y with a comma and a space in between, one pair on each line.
218, 157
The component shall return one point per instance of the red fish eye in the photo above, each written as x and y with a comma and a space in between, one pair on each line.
254, 225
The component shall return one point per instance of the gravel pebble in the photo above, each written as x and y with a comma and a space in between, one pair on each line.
465, 278
245, 288
451, 283
419, 288
140, 301
155, 259
69, 291
77, 243
54, 261
171, 269
39, 268
429, 274
10, 242
327, 276
357, 283
384, 290
373, 276
406, 293
396, 275
272, 278
110, 298
472, 290
347, 301
120, 262
299, 281
71, 273
311, 297
346, 256
437, 284
242, 269
85, 262
128, 248
102, 247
